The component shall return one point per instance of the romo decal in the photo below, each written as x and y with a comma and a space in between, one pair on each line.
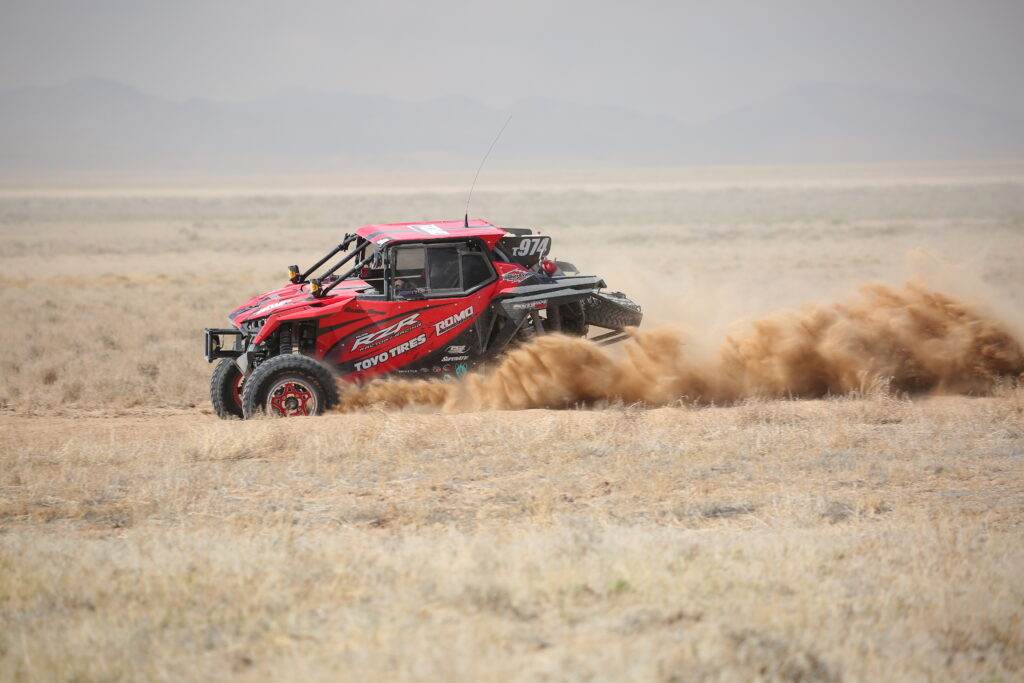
380, 336
383, 356
453, 320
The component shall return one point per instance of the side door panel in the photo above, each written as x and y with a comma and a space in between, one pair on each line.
426, 326
413, 337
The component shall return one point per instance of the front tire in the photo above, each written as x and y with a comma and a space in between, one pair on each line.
289, 386
226, 389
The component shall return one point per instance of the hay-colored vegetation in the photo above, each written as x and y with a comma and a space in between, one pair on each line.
869, 536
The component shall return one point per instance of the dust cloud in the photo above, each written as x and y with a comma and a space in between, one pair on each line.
910, 339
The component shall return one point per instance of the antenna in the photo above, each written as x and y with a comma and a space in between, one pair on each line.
480, 167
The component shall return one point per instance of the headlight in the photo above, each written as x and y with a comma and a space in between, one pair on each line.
251, 327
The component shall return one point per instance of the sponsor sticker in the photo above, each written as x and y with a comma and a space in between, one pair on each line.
356, 308
380, 336
394, 352
454, 358
516, 276
530, 305
457, 348
453, 320
271, 306
461, 369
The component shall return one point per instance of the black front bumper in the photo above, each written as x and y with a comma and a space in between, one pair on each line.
215, 345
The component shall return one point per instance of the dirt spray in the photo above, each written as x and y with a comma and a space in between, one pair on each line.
910, 338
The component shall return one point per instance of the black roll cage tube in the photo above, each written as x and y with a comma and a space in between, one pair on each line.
378, 251
348, 273
341, 247
360, 250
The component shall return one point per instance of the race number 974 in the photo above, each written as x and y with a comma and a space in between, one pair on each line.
532, 246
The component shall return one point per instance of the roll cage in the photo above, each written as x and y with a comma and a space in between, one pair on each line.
404, 270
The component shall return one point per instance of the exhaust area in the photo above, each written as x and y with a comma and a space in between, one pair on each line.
909, 338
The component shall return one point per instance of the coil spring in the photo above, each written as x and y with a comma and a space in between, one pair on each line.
285, 346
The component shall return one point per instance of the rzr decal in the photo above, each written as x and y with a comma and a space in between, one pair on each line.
380, 336
453, 320
384, 356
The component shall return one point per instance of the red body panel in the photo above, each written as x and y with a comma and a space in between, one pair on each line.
377, 337
370, 337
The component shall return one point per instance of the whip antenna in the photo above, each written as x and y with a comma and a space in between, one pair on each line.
480, 167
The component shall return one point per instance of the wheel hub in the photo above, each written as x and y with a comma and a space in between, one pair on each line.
236, 390
289, 398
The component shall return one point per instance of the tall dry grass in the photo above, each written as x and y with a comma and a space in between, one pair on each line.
848, 539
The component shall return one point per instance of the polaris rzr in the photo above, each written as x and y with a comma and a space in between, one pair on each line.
418, 300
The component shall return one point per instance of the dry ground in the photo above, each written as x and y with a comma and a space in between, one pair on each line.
863, 537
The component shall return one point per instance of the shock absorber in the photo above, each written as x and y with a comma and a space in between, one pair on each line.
285, 346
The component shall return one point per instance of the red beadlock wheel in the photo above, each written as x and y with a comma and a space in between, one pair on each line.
236, 391
289, 386
289, 398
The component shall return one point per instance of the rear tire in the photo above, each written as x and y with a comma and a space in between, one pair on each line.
612, 310
226, 389
573, 318
289, 385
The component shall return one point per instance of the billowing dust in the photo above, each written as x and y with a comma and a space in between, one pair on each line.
909, 338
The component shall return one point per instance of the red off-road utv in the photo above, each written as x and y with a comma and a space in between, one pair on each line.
418, 300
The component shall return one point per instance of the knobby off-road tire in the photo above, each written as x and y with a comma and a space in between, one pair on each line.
289, 385
226, 389
612, 310
573, 319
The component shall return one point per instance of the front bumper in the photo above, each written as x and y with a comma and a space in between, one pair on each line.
214, 345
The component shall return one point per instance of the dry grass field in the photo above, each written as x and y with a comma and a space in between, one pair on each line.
869, 535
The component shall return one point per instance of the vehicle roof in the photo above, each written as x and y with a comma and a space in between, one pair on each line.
433, 230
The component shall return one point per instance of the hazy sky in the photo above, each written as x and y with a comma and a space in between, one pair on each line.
685, 59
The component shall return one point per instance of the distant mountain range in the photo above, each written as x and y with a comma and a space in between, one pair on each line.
96, 125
